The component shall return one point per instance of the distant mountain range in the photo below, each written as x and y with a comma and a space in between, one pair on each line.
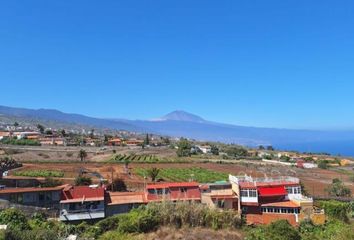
184, 124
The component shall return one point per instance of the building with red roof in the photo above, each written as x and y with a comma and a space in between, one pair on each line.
82, 203
178, 191
264, 200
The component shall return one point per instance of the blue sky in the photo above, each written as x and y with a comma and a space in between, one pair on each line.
255, 63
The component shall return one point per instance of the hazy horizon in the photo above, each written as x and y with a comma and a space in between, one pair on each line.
264, 64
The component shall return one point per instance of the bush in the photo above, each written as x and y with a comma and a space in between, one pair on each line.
108, 224
14, 218
139, 220
37, 234
338, 189
83, 181
336, 209
279, 230
323, 164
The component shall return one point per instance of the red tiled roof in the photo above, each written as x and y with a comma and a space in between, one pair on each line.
172, 185
289, 204
272, 191
83, 192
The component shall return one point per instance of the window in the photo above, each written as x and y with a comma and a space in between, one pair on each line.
289, 190
244, 193
221, 204
41, 196
253, 193
283, 210
183, 190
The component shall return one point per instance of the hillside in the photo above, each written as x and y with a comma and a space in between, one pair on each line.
183, 124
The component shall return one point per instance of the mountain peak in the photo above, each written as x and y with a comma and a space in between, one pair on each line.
180, 115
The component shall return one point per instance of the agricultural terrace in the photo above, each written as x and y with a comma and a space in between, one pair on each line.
143, 158
198, 174
38, 173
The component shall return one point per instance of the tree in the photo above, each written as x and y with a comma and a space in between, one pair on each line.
83, 181
49, 132
323, 164
338, 189
92, 133
40, 128
8, 163
63, 133
82, 155
261, 147
214, 150
147, 140
16, 124
118, 185
236, 151
284, 158
153, 173
184, 148
270, 148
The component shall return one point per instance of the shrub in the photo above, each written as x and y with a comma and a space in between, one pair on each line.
336, 209
108, 224
14, 218
51, 182
279, 230
83, 181
139, 220
338, 189
323, 164
118, 185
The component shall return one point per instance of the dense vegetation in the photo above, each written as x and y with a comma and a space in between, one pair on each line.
15, 141
39, 173
175, 215
186, 174
141, 220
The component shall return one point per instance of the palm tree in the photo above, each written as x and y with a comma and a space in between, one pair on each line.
153, 173
82, 155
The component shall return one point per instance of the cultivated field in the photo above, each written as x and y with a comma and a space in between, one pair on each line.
315, 180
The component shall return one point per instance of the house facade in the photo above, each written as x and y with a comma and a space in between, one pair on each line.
82, 203
264, 200
178, 191
218, 195
38, 197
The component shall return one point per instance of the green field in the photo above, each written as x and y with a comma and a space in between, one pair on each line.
198, 174
141, 158
38, 173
